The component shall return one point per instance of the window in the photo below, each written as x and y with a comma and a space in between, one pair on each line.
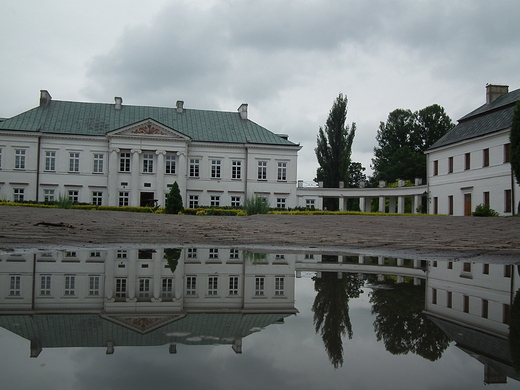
233, 285
215, 169
235, 201
19, 159
486, 198
465, 304
262, 170
45, 285
73, 196
507, 153
194, 167
97, 198
123, 198
435, 167
485, 157
193, 201
147, 163
467, 161
94, 283
120, 287
450, 164
281, 203
192, 253
73, 161
259, 285
124, 162
450, 204
279, 286
49, 195
507, 201
215, 200
213, 285
170, 164
191, 285
167, 288
449, 299
233, 254
310, 203
213, 253
98, 159
18, 194
144, 287
50, 161
70, 285
236, 169
282, 171
434, 296
15, 285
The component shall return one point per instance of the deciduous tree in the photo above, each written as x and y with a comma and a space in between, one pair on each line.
514, 138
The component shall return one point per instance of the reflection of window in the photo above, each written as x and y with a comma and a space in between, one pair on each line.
485, 269
449, 299
466, 303
192, 253
167, 288
213, 285
213, 253
450, 164
467, 267
507, 271
94, 285
505, 313
233, 285
144, 287
485, 157
467, 161
191, 285
120, 287
435, 167
259, 285
96, 254
279, 286
485, 305
434, 296
45, 285
122, 254
15, 285
507, 153
233, 254
70, 285
146, 254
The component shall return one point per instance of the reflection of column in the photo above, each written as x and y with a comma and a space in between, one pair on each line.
109, 275
160, 176
132, 273
400, 262
112, 177
380, 260
381, 204
361, 259
157, 263
134, 185
182, 174
178, 276
400, 205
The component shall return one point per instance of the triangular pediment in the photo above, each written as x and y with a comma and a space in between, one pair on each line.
142, 323
148, 128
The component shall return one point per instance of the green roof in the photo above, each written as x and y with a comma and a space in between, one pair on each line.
98, 119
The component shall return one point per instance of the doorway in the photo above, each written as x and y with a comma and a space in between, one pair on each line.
467, 205
148, 199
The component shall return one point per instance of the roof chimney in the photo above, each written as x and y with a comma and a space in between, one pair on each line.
119, 102
495, 91
180, 106
243, 111
45, 97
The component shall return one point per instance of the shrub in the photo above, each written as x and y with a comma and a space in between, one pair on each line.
174, 200
483, 210
256, 205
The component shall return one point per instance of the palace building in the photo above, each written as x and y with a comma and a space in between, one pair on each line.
123, 155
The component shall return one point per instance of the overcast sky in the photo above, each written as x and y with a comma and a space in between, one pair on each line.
288, 60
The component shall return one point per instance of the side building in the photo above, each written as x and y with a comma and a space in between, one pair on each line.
470, 164
123, 155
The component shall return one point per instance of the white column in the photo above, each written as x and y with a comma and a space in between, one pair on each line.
362, 201
112, 177
182, 174
160, 177
400, 204
416, 203
134, 185
391, 204
381, 204
341, 202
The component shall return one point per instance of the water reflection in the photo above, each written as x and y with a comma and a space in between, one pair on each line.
113, 298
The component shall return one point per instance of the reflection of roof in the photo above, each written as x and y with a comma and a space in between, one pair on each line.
64, 117
486, 119
486, 348
91, 330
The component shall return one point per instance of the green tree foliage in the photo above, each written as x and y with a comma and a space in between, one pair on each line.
356, 175
401, 323
403, 139
514, 138
174, 200
331, 310
334, 146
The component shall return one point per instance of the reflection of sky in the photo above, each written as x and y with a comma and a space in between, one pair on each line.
288, 356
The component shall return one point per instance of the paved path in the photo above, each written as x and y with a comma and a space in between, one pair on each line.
413, 236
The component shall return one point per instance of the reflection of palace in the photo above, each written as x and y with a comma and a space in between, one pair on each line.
471, 302
143, 297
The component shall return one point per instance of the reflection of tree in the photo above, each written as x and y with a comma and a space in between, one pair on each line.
401, 324
331, 310
514, 331
172, 256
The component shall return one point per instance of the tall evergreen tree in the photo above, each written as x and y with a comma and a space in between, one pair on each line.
514, 138
174, 200
334, 146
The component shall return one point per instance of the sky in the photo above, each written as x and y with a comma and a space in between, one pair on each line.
287, 59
